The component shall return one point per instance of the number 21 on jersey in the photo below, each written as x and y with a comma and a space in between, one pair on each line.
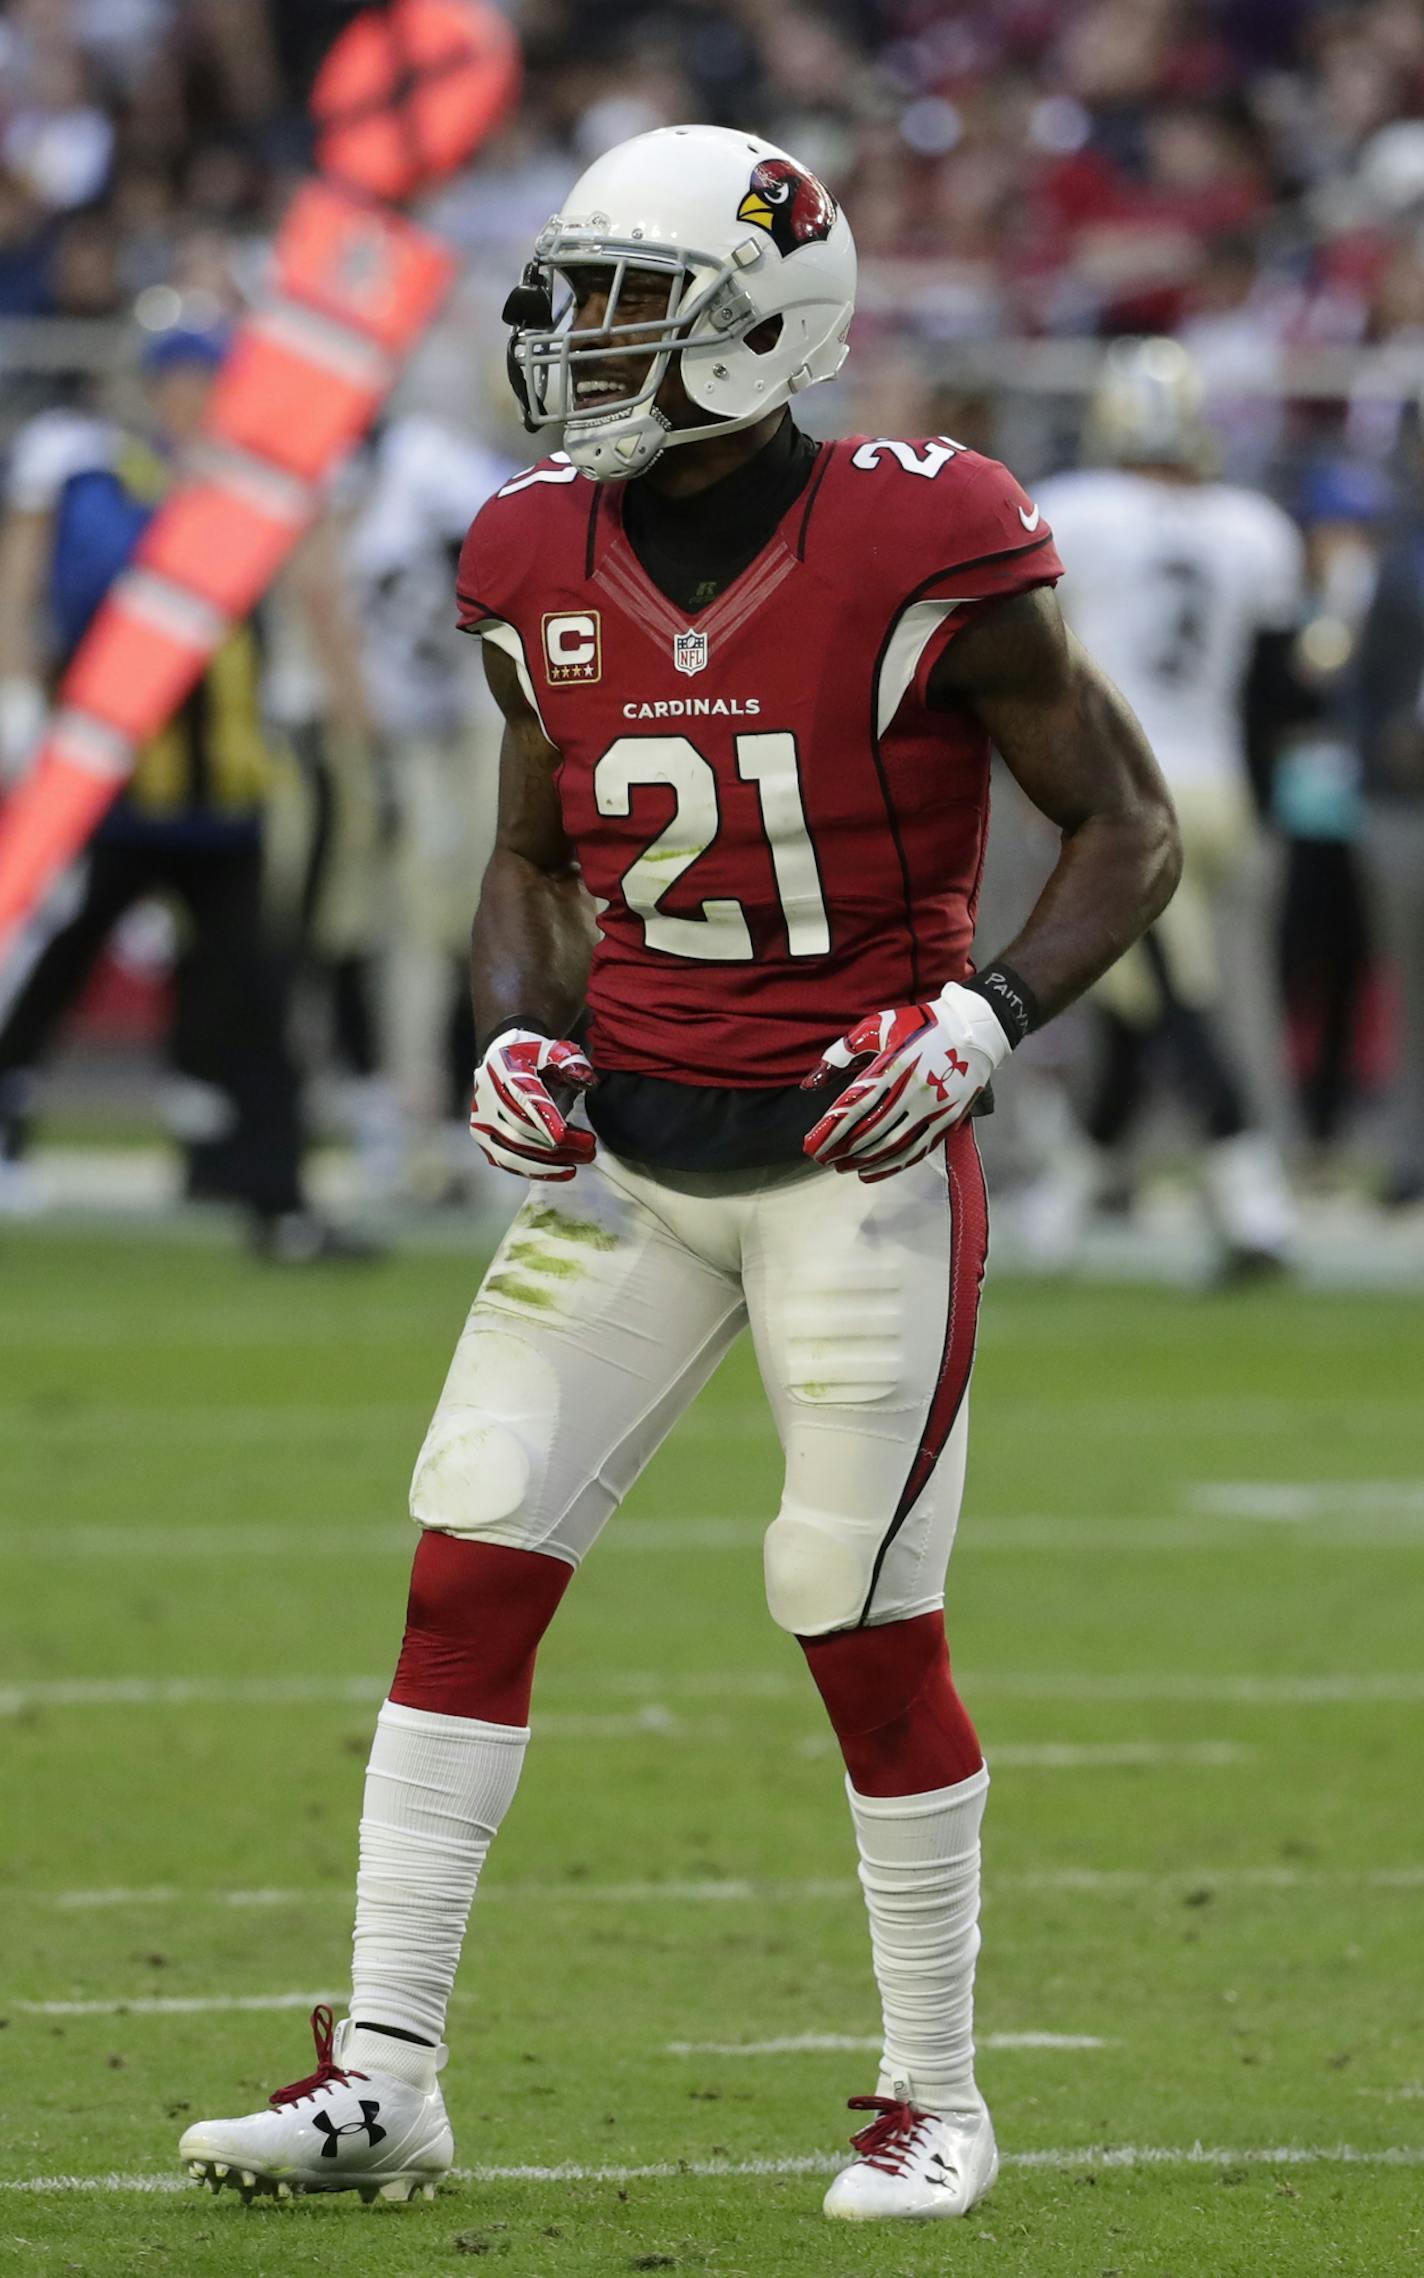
720, 932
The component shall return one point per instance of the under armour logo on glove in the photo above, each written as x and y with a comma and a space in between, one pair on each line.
365, 2126
928, 1065
938, 1078
524, 1086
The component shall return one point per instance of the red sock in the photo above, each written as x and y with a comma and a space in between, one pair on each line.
902, 1727
476, 1614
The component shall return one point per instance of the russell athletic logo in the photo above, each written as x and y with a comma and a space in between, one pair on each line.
365, 2126
573, 647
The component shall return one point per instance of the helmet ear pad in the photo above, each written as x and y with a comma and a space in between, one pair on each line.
784, 351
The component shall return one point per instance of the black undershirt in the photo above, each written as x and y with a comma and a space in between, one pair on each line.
693, 549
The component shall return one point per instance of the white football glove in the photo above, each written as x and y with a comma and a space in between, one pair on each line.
928, 1065
516, 1115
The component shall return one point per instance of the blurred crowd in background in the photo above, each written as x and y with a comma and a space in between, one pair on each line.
1027, 180
1250, 171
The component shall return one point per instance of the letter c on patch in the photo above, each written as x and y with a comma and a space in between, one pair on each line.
572, 646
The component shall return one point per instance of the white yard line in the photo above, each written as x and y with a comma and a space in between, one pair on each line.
718, 1891
1381, 1526
795, 2044
1188, 1686
237, 1420
181, 1692
1242, 1691
651, 1719
173, 2005
741, 1891
1066, 2158
1086, 1756
364, 1538
1293, 1501
1346, 1689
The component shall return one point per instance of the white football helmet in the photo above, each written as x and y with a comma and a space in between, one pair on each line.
1147, 409
744, 233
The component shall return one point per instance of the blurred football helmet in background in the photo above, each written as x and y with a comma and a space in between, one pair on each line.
1147, 410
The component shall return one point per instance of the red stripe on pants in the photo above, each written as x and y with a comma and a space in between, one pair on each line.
968, 1248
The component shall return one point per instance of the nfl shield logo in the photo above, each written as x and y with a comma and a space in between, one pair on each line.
689, 651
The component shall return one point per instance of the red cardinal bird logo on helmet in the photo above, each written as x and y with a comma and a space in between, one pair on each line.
790, 205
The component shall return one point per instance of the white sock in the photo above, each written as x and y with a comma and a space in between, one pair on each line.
919, 1869
437, 1788
1247, 1192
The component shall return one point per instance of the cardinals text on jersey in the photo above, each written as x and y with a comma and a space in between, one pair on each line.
778, 830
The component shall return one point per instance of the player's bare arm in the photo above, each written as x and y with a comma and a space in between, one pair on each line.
529, 957
1078, 752
533, 931
1076, 749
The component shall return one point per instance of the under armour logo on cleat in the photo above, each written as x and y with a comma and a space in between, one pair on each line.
365, 2126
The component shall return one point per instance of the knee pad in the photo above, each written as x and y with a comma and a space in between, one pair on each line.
482, 1466
817, 1571
472, 1473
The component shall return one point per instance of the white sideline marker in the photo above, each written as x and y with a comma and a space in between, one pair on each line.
797, 2044
829, 2163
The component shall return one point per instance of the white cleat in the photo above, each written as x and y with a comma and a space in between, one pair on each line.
338, 2130
915, 2165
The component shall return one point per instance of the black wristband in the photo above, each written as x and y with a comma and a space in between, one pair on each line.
516, 1020
1014, 1004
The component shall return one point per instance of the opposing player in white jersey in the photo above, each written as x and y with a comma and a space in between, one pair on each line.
721, 971
1188, 592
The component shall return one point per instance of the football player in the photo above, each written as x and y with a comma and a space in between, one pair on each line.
1190, 592
425, 481
730, 1030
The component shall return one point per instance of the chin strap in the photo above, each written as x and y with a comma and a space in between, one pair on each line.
611, 457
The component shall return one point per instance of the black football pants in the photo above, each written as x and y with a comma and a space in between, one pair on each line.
232, 972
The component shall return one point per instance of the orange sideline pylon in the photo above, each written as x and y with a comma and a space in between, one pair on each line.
355, 286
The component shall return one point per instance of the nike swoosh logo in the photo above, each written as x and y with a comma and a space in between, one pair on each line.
1031, 521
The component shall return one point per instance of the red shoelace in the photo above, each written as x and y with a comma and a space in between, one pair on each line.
887, 2140
327, 2075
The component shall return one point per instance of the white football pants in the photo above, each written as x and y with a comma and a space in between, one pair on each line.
613, 1297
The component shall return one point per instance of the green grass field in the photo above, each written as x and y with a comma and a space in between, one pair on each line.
1186, 1608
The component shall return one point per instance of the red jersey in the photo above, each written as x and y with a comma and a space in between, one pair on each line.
779, 832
